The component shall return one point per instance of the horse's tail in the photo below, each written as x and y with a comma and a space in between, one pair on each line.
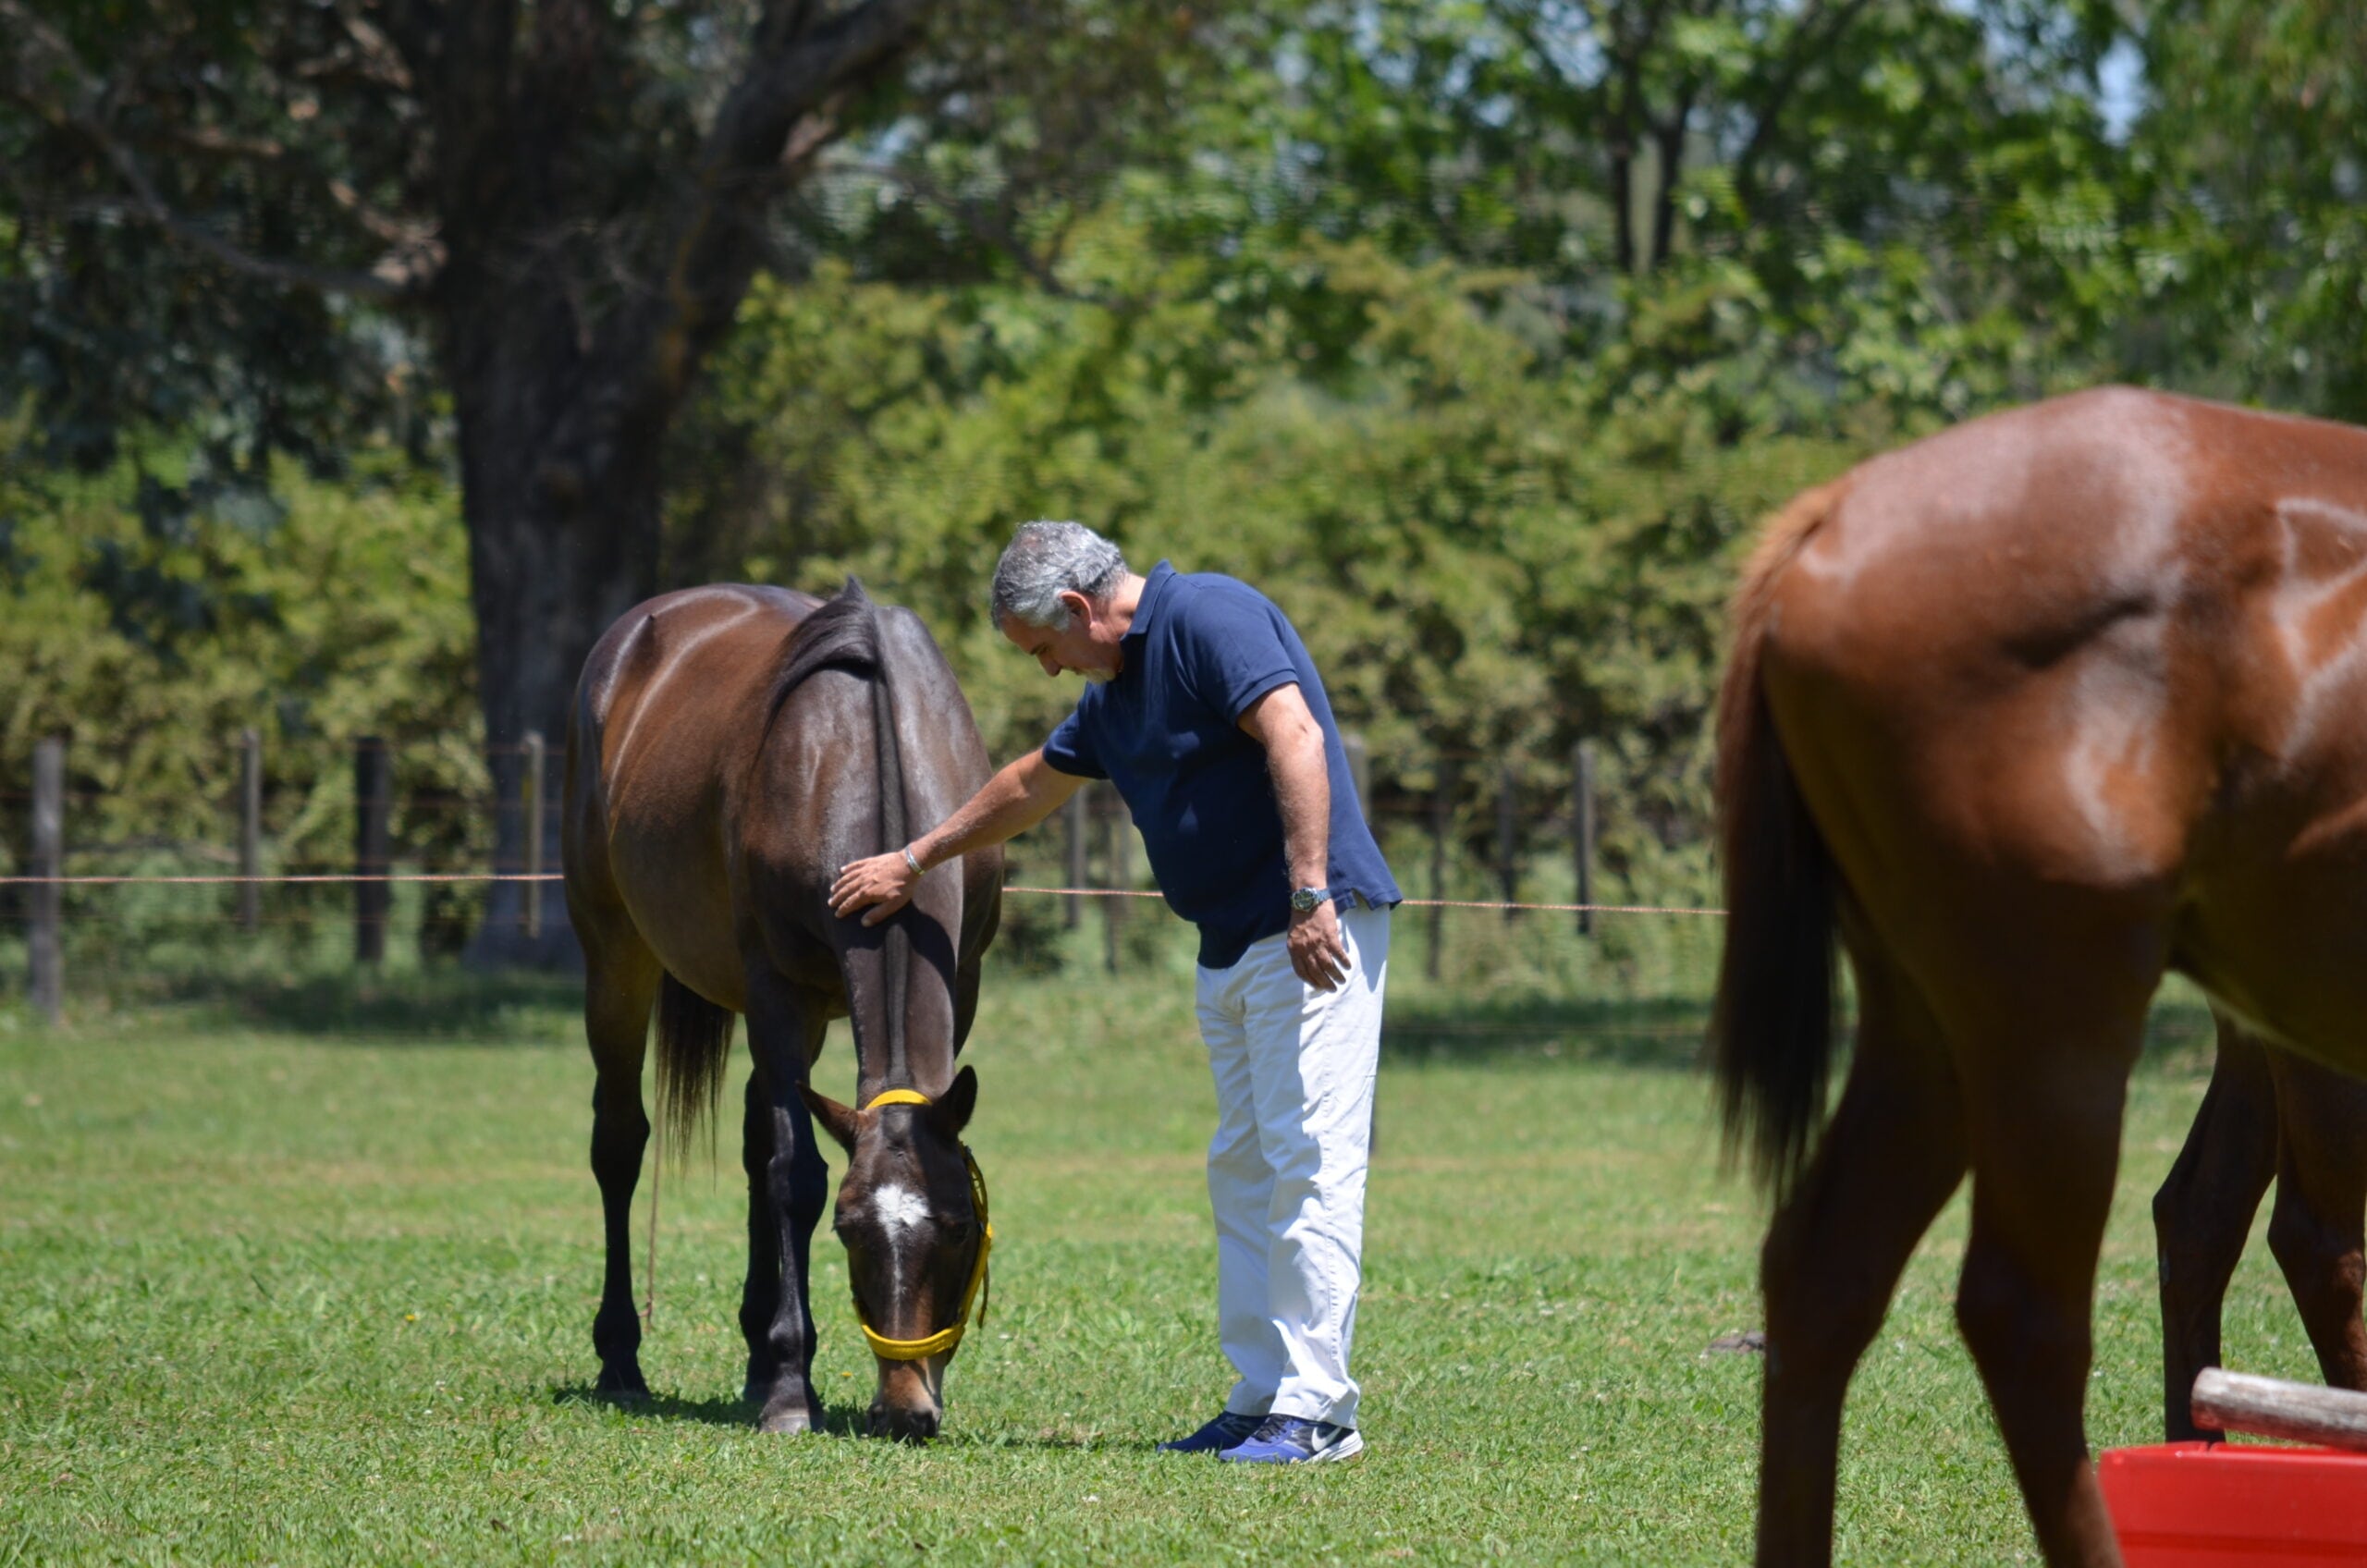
846, 633
693, 1044
1772, 1031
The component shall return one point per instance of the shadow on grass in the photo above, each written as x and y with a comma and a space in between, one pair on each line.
1664, 1034
838, 1420
1668, 1034
439, 1001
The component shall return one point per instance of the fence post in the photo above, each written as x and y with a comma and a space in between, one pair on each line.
1072, 825
1122, 873
1359, 770
1441, 804
249, 830
530, 908
373, 894
1507, 838
1582, 828
45, 909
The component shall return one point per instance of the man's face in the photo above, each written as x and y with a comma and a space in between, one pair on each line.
1088, 644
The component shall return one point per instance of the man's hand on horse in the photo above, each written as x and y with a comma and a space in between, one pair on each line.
882, 883
1318, 952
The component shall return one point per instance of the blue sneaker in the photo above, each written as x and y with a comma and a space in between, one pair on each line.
1226, 1431
1287, 1439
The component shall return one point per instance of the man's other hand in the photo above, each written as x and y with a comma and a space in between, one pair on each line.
1318, 952
882, 883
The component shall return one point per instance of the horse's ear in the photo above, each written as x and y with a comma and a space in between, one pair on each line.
839, 1120
951, 1113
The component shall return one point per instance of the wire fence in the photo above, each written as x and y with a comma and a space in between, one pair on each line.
425, 870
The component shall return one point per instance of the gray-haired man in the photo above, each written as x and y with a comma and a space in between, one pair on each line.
1205, 710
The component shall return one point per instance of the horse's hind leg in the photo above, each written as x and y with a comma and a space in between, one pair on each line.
2045, 1062
619, 988
2316, 1226
1892, 1153
2203, 1214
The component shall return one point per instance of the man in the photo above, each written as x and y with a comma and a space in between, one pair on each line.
1204, 709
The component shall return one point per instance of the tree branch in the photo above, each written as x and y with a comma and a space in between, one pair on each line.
1811, 37
402, 274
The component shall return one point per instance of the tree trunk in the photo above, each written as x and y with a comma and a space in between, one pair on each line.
563, 537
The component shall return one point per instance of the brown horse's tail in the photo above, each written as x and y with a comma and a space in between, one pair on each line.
1771, 1033
693, 1044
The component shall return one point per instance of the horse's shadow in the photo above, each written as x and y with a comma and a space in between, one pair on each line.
838, 1420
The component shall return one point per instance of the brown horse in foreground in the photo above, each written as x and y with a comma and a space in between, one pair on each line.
2028, 714
730, 749
2267, 1115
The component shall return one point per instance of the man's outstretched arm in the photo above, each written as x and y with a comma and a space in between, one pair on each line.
1015, 800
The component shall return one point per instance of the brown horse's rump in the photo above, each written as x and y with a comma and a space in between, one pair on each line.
2026, 713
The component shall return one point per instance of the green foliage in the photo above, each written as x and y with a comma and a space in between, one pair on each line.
149, 615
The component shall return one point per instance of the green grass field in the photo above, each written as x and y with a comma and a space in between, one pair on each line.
308, 1276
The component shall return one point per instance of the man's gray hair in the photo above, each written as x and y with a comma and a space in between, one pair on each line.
1047, 559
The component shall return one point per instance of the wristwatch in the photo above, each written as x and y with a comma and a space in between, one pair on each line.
1306, 900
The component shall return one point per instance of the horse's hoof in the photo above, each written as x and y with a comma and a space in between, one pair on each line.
787, 1423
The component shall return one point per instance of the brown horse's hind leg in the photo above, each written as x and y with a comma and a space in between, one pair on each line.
2203, 1214
1892, 1153
2044, 1114
2316, 1227
784, 1032
619, 988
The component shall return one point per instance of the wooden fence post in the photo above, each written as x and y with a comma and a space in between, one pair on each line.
249, 831
1441, 805
530, 908
1582, 828
45, 909
1072, 825
373, 894
1359, 770
1121, 828
1507, 836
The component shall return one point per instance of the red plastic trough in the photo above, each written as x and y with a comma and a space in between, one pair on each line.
2216, 1505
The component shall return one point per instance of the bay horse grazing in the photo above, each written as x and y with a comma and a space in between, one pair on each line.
2267, 1115
730, 749
2026, 713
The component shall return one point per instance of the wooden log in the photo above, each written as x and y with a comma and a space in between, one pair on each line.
249, 831
2269, 1407
1582, 828
530, 907
373, 895
45, 908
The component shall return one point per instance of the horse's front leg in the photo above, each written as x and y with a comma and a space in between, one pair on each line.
760, 1296
785, 1031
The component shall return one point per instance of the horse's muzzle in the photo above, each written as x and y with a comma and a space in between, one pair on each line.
906, 1424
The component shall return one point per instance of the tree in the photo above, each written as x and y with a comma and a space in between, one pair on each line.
569, 195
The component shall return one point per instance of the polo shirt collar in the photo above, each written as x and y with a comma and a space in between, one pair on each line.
1153, 600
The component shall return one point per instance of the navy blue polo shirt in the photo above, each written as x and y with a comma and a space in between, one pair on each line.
1166, 732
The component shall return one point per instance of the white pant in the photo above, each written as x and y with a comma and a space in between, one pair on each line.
1286, 1168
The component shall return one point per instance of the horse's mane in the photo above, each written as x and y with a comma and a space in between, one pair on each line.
844, 633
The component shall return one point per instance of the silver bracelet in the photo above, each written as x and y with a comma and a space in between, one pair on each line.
917, 869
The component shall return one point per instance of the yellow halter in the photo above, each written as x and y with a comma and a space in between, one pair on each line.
944, 1339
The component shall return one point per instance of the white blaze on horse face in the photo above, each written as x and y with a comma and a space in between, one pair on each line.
900, 1209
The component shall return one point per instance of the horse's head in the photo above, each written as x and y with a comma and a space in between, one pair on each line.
912, 1212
